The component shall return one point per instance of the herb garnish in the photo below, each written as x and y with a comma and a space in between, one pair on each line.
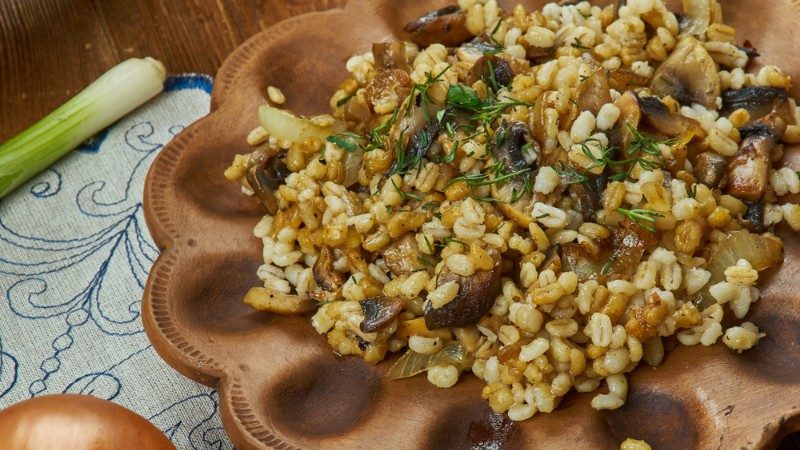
642, 217
345, 141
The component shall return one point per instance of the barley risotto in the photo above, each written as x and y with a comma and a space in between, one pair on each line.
540, 198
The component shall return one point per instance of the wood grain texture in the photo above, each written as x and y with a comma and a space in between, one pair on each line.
51, 49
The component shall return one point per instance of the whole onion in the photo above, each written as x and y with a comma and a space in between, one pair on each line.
76, 422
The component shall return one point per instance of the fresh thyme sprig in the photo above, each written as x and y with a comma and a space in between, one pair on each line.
482, 179
569, 175
642, 217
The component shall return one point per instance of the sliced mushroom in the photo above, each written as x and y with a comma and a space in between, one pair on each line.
446, 26
689, 75
263, 299
538, 55
749, 50
755, 216
589, 195
511, 139
491, 69
326, 277
757, 100
623, 80
709, 168
389, 83
748, 171
390, 55
266, 173
474, 50
630, 114
475, 297
659, 117
418, 145
402, 256
594, 92
379, 312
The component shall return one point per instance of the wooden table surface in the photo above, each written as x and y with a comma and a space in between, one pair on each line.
51, 49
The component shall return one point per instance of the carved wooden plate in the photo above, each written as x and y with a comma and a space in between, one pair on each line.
280, 384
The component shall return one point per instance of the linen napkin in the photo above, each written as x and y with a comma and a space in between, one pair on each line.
74, 257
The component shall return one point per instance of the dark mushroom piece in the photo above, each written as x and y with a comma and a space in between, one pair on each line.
402, 256
326, 277
379, 312
755, 216
589, 194
475, 297
390, 55
660, 118
629, 114
748, 170
511, 138
388, 82
446, 26
509, 150
689, 75
757, 100
266, 173
539, 55
624, 79
748, 48
418, 145
594, 92
709, 168
491, 69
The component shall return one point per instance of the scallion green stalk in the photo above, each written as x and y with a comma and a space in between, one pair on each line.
116, 93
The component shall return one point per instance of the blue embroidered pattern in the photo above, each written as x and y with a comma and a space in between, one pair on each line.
83, 284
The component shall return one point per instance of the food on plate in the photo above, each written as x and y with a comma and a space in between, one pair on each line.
541, 198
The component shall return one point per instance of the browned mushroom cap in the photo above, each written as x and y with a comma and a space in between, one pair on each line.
748, 171
390, 55
387, 83
589, 195
660, 118
379, 312
265, 174
474, 299
509, 150
538, 55
594, 92
403, 256
757, 100
623, 79
709, 168
446, 26
490, 69
326, 277
629, 114
689, 75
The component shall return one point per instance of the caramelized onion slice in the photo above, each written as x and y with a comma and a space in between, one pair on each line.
762, 252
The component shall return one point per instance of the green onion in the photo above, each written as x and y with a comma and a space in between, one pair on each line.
116, 93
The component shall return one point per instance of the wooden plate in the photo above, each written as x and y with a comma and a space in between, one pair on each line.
280, 384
